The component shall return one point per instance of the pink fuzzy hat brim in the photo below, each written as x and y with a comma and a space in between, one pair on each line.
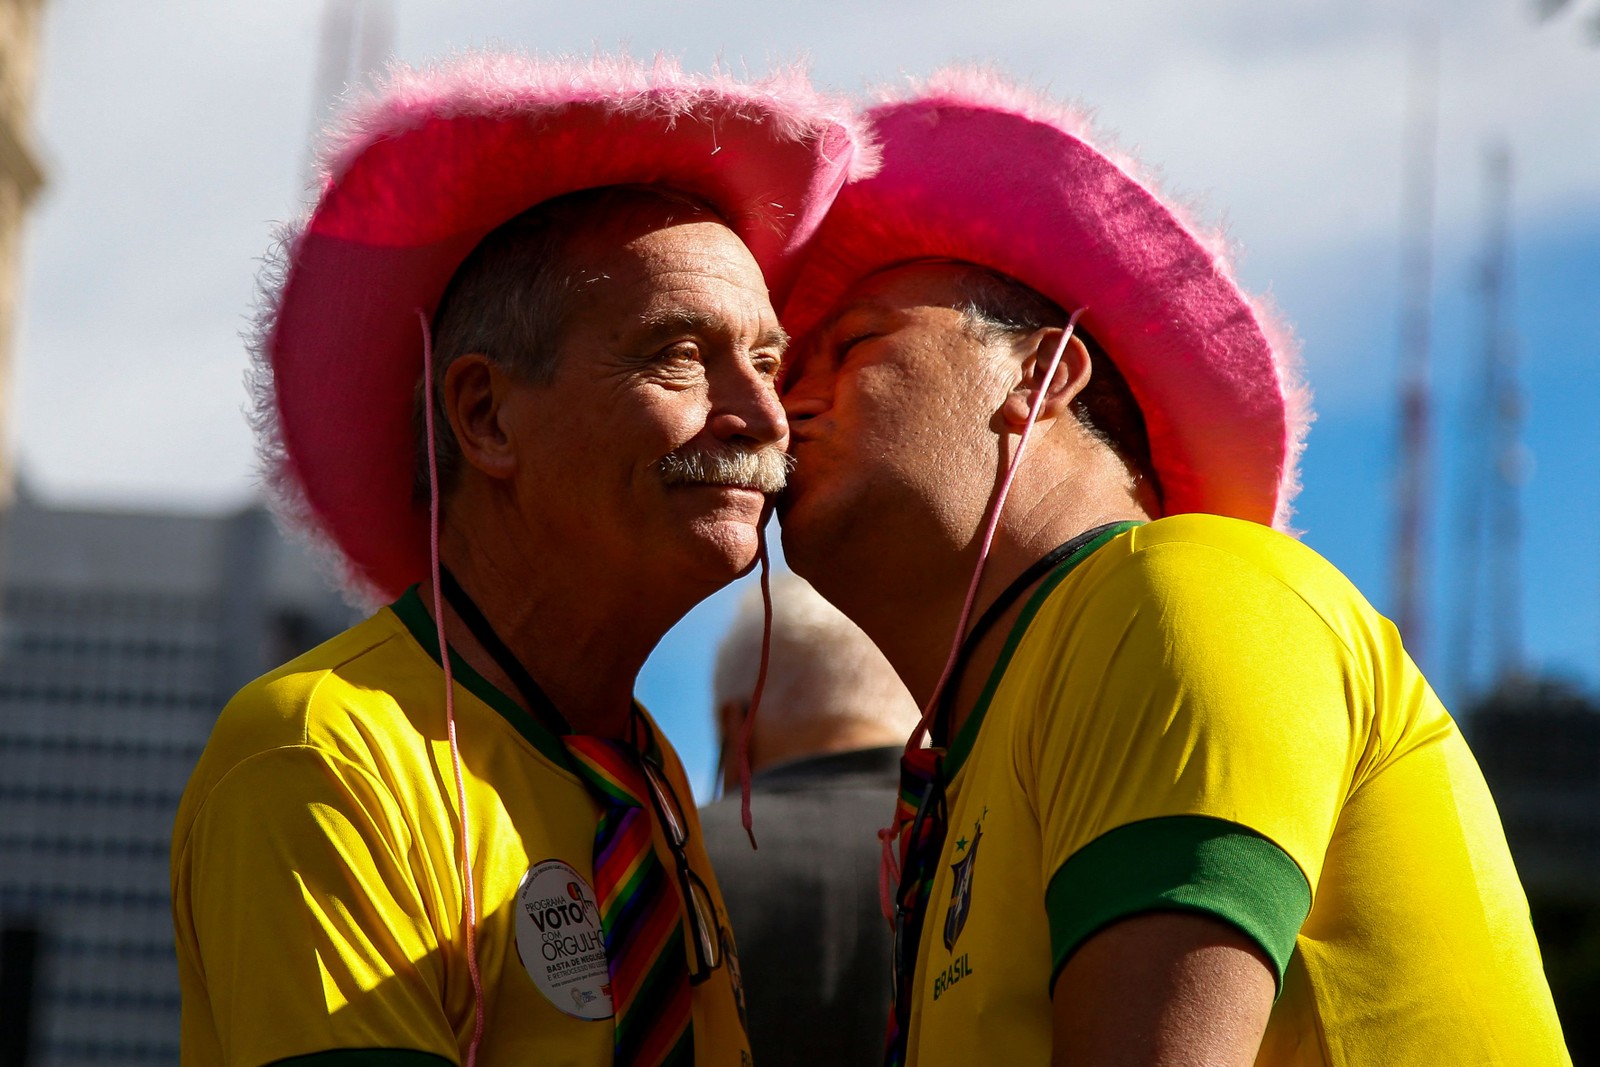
977, 169
417, 175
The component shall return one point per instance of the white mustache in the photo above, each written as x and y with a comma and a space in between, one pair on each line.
766, 469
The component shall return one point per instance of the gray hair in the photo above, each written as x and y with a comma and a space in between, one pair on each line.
998, 308
823, 669
510, 298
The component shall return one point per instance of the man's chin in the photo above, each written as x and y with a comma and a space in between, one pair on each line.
724, 547
802, 535
822, 537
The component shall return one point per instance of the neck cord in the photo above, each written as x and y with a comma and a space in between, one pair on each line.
544, 709
746, 729
533, 694
930, 775
980, 629
468, 883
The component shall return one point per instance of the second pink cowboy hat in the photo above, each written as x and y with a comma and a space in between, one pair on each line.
417, 175
977, 169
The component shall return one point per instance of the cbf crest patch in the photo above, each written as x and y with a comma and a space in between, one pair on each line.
961, 888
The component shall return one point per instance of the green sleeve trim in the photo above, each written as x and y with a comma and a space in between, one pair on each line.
414, 616
1179, 863
366, 1057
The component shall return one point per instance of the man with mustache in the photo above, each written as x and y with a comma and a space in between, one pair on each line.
518, 372
1187, 800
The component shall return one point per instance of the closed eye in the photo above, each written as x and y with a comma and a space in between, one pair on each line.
844, 348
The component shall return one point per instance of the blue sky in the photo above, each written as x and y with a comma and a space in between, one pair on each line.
172, 144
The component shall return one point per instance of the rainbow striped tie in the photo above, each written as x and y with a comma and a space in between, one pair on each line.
640, 915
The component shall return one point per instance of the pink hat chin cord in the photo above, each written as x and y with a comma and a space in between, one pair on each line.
761, 684
449, 694
888, 864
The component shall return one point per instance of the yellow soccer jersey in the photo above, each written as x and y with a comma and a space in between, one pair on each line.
315, 885
1202, 714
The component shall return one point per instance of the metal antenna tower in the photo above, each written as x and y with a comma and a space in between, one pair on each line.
1494, 461
1412, 489
356, 37
1507, 405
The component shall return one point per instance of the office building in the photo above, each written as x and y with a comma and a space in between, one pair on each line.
122, 637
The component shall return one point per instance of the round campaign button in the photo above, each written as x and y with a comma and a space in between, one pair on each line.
559, 940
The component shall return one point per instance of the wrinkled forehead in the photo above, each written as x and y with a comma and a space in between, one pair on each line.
697, 264
652, 241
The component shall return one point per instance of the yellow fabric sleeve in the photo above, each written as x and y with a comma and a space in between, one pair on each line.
297, 897
1186, 681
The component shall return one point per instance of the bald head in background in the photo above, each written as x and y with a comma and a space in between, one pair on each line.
828, 687
825, 754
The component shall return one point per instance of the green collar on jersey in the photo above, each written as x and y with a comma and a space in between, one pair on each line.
411, 612
959, 748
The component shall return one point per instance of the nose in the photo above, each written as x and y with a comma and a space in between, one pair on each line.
800, 406
745, 407
805, 396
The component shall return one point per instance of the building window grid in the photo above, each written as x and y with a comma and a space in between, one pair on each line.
86, 726
89, 650
104, 1022
110, 948
114, 667
115, 693
122, 632
93, 796
149, 985
113, 760
48, 873
92, 923
88, 847
33, 899
77, 1050
42, 837
98, 1003
32, 746
101, 659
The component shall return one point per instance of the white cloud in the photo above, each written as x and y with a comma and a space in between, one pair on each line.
173, 142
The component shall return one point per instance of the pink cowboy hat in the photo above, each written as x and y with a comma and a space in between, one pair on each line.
977, 169
416, 176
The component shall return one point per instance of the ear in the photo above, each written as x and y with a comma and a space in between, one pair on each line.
1036, 351
475, 394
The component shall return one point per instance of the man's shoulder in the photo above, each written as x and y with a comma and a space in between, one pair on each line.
1199, 559
1189, 591
1197, 536
337, 697
354, 672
